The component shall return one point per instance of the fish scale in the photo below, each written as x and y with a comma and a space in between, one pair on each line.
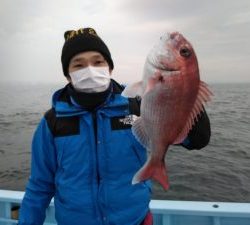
172, 98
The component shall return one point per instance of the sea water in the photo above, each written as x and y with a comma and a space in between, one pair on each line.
219, 172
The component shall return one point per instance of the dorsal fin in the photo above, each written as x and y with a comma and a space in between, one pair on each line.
203, 96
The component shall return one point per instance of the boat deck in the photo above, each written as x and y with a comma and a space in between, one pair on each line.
165, 212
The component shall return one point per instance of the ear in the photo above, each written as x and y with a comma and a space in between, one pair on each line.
110, 71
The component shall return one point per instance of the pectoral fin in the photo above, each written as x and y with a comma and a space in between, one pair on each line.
133, 90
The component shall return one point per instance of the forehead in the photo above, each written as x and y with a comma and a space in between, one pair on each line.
86, 56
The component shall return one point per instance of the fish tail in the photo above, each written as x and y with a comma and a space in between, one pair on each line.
155, 171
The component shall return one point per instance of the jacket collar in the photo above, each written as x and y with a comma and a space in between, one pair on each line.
65, 106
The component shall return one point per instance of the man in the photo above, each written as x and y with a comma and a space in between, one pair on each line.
83, 152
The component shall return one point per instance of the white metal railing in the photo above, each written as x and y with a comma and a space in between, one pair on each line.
165, 212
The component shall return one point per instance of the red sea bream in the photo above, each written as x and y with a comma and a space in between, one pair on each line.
172, 98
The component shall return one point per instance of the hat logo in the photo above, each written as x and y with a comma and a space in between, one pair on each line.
72, 33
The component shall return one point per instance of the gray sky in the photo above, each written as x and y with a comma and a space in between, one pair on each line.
31, 35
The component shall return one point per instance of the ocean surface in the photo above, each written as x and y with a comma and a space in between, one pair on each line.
219, 172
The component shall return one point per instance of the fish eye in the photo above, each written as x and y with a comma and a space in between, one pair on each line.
185, 52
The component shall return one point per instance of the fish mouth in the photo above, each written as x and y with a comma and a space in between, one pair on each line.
165, 70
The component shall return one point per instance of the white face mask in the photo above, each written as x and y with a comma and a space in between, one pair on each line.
91, 79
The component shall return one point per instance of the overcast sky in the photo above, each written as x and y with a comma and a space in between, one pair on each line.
31, 35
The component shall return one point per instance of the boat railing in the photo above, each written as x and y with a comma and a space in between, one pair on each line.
165, 212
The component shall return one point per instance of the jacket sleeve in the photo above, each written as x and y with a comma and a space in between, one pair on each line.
40, 188
199, 136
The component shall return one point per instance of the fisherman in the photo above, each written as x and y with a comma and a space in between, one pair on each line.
83, 151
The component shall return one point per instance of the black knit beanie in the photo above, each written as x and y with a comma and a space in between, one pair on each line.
84, 39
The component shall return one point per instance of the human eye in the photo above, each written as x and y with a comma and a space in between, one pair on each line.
99, 62
78, 65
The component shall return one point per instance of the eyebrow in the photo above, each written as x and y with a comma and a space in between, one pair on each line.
98, 56
95, 56
76, 60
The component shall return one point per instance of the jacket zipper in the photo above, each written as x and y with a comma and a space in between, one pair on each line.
97, 163
96, 144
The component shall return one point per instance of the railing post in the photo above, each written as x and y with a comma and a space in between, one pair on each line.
216, 220
5, 211
166, 219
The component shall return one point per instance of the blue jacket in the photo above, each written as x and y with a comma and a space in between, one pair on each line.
86, 161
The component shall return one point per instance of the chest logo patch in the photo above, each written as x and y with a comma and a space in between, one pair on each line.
123, 122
